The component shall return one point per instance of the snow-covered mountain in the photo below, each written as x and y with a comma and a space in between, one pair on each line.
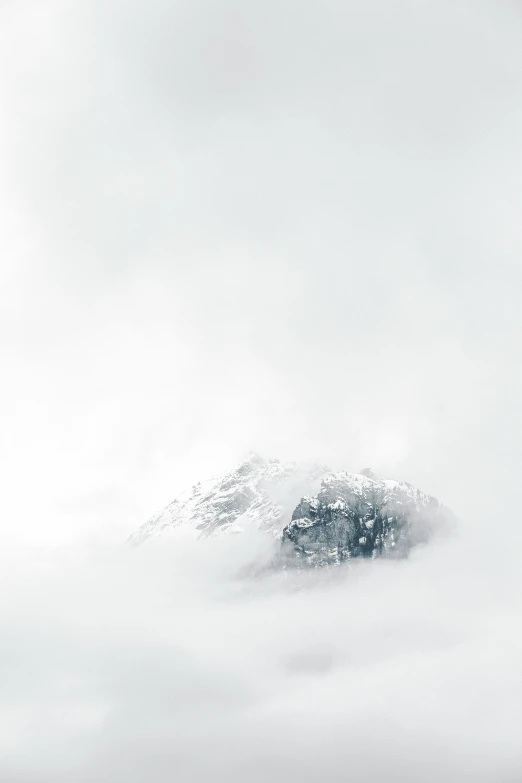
259, 492
320, 517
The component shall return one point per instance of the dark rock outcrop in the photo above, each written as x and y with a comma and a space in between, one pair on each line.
356, 515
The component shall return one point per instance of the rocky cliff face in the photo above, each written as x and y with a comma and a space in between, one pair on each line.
356, 515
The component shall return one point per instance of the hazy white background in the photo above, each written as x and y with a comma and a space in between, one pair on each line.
287, 226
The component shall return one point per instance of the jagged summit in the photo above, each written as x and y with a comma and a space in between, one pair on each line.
259, 492
320, 517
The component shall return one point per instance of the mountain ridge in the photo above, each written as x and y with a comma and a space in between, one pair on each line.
259, 492
319, 516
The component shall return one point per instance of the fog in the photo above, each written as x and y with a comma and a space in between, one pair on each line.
164, 663
292, 227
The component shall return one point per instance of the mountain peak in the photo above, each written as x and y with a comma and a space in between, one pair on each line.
259, 493
320, 517
253, 458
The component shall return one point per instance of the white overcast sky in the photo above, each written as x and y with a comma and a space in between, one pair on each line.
285, 226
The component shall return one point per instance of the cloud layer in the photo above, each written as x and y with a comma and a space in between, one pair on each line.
163, 663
